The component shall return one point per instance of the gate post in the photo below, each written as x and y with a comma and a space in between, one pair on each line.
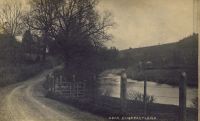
123, 91
182, 96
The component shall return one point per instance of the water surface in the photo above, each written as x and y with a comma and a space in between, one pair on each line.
163, 93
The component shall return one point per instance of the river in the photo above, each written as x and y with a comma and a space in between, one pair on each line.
163, 93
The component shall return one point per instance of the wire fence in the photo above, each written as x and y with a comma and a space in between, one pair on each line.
156, 88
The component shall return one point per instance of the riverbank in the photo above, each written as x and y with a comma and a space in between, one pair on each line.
110, 106
164, 76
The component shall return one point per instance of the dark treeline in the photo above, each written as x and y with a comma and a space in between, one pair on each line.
15, 63
71, 30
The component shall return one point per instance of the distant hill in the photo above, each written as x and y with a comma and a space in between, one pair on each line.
181, 55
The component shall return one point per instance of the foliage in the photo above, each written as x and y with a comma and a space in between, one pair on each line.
27, 42
10, 49
10, 73
71, 28
108, 58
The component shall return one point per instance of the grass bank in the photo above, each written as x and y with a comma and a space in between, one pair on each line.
108, 107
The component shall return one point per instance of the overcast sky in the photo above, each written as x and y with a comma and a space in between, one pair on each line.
148, 22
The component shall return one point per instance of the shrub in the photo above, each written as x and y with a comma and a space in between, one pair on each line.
138, 97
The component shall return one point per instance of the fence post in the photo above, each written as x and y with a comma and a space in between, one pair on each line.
54, 83
94, 88
145, 95
142, 70
123, 91
182, 97
61, 79
74, 77
47, 82
50, 83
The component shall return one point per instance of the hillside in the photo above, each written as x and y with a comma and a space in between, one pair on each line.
162, 62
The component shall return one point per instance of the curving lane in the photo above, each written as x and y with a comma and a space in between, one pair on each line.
26, 101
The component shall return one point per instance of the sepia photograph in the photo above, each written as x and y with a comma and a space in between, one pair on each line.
99, 60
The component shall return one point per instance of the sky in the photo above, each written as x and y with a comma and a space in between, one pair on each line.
22, 2
142, 23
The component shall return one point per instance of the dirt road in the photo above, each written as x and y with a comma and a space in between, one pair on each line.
26, 101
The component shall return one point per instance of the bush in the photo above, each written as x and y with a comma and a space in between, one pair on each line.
138, 97
195, 103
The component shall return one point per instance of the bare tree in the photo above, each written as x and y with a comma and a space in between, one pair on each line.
10, 17
79, 20
41, 18
70, 23
81, 30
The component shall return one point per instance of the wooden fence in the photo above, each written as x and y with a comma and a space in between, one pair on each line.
58, 85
